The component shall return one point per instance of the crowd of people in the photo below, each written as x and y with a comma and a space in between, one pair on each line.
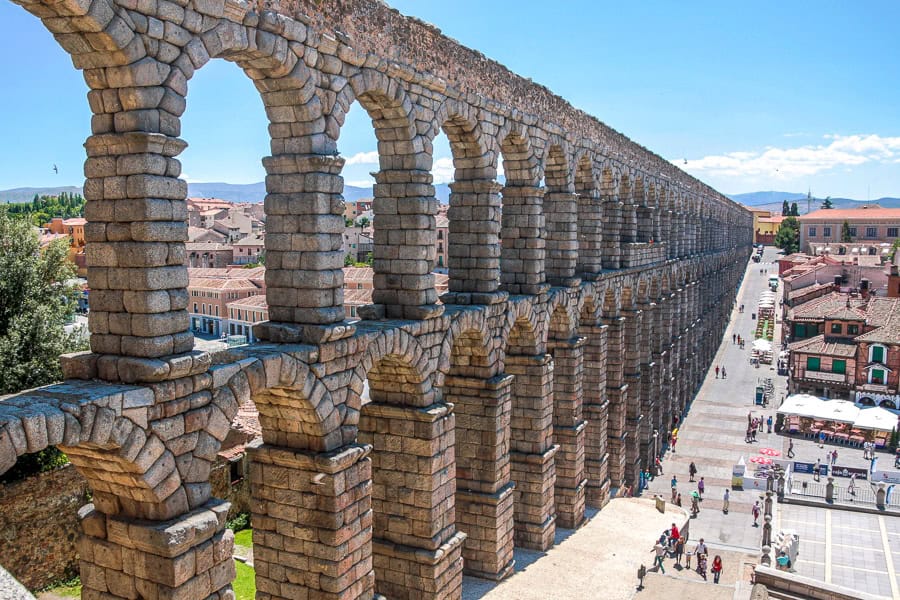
671, 544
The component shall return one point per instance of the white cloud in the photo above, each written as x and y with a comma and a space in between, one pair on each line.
442, 170
363, 158
362, 183
801, 161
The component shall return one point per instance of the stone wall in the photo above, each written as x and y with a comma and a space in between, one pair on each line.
39, 526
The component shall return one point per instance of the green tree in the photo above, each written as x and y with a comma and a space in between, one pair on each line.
788, 235
794, 212
845, 232
348, 261
785, 209
363, 222
827, 203
36, 301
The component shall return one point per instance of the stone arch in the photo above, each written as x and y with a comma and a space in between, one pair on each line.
402, 372
520, 165
562, 321
590, 215
555, 167
468, 348
296, 409
474, 213
611, 302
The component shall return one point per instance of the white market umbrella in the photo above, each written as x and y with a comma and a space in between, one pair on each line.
762, 345
802, 405
842, 411
875, 418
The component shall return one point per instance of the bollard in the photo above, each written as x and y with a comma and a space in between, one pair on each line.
767, 531
766, 560
829, 490
880, 496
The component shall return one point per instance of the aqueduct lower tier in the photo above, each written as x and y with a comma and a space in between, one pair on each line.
587, 295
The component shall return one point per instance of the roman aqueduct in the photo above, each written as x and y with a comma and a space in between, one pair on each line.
579, 323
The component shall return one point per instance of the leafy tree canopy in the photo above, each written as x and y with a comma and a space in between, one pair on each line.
37, 298
788, 235
827, 203
43, 208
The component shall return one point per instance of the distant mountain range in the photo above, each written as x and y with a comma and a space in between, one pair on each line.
243, 192
772, 201
256, 192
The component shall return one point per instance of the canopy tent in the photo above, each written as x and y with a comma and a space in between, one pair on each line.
802, 405
875, 418
762, 345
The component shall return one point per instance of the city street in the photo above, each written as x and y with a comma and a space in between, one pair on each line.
850, 549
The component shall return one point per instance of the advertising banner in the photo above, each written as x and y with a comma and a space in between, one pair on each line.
809, 468
839, 471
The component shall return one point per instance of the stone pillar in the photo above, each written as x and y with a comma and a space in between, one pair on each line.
596, 412
135, 236
484, 494
304, 261
417, 551
405, 251
522, 239
312, 523
561, 212
590, 233
532, 450
569, 430
186, 557
612, 233
474, 242
617, 392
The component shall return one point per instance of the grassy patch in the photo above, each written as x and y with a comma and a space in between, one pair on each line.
70, 588
244, 582
244, 538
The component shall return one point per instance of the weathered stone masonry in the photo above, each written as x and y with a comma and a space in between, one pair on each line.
587, 296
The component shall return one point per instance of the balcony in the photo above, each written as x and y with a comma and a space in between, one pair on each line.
876, 388
640, 254
822, 377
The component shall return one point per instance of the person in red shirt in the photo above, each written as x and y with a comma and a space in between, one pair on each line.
674, 533
716, 568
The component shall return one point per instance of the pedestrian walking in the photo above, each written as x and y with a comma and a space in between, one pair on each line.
750, 418
724, 374
660, 551
678, 499
716, 568
659, 469
701, 566
679, 551
833, 457
816, 469
790, 452
725, 501
821, 439
755, 512
852, 487
692, 470
769, 422
695, 504
759, 423
674, 487
733, 338
717, 371
701, 487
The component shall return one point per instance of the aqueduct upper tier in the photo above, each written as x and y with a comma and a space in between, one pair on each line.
588, 291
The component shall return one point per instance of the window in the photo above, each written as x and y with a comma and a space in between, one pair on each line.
853, 329
195, 307
813, 363
877, 354
853, 232
812, 232
878, 376
826, 231
839, 366
837, 328
871, 232
892, 231
217, 310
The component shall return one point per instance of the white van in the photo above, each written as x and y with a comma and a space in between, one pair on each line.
773, 282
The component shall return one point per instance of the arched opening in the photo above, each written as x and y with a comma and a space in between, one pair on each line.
522, 223
569, 427
590, 219
411, 431
561, 215
472, 217
226, 218
482, 404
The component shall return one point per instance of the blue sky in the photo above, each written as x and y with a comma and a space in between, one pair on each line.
754, 96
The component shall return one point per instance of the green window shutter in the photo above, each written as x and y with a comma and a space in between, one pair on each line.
877, 376
813, 363
839, 366
877, 354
